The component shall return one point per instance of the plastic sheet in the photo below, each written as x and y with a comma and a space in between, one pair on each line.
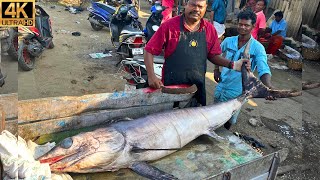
307, 42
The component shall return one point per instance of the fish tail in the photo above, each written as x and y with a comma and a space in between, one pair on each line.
254, 88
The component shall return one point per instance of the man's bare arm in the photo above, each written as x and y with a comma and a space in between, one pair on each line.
220, 61
276, 33
153, 81
235, 65
148, 61
266, 80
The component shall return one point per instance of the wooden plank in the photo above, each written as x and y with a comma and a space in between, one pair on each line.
316, 24
296, 18
12, 126
9, 103
2, 119
276, 4
309, 12
315, 4
31, 130
272, 3
281, 5
58, 107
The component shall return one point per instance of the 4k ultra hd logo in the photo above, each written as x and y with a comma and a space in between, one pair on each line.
17, 13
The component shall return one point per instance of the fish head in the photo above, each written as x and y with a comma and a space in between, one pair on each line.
85, 152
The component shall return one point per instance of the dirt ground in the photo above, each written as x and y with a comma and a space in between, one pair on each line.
291, 123
67, 69
9, 67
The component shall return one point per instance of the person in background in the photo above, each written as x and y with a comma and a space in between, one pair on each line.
278, 29
261, 23
247, 4
188, 41
229, 81
218, 15
171, 10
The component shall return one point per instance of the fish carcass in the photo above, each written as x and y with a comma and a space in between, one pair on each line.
132, 143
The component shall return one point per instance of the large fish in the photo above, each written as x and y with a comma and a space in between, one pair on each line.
132, 143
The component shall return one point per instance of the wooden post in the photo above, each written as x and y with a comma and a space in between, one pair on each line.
3, 119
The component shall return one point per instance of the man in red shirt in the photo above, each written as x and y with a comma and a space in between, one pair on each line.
188, 41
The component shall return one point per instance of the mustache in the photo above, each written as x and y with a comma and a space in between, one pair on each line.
195, 12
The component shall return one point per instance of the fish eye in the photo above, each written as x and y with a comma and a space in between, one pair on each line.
66, 143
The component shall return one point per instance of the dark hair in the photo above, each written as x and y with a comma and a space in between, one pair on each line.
248, 15
264, 2
279, 14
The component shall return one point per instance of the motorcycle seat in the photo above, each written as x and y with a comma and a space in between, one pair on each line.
109, 9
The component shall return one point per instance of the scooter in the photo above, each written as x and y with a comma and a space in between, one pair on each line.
9, 41
135, 66
131, 39
100, 15
34, 39
154, 21
137, 72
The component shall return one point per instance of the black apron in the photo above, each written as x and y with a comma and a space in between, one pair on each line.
188, 64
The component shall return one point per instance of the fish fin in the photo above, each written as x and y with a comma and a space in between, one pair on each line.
253, 87
214, 135
151, 172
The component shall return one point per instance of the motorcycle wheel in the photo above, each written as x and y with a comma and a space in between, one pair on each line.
51, 45
96, 27
13, 40
125, 50
25, 60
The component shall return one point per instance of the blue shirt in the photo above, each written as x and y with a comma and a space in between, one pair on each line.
219, 8
276, 26
230, 85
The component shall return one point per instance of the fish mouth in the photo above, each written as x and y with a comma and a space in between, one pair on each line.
55, 159
60, 162
52, 160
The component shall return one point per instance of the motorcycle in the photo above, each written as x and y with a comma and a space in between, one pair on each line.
34, 39
135, 66
9, 41
137, 72
154, 21
100, 15
131, 39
